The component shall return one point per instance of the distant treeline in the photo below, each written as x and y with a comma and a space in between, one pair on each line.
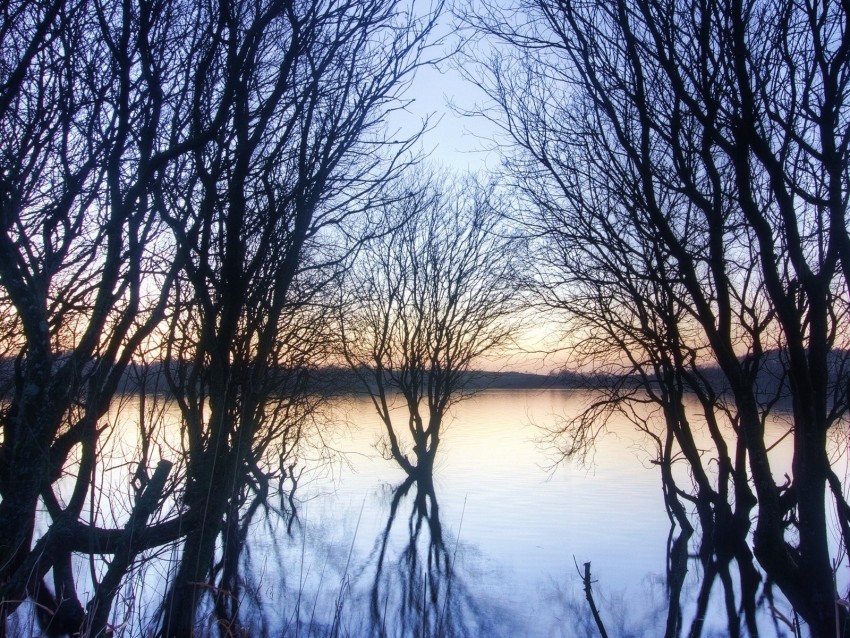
337, 380
771, 378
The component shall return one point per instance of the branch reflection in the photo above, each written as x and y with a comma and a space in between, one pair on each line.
699, 574
418, 587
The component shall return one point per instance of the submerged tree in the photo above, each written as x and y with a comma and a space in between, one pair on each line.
688, 169
89, 117
260, 216
175, 181
422, 304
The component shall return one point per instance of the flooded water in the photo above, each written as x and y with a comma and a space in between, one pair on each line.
494, 546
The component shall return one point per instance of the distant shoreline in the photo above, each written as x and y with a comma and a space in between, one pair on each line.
340, 380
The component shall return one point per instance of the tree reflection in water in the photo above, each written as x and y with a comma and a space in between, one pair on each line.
414, 582
405, 573
417, 587
418, 580
681, 605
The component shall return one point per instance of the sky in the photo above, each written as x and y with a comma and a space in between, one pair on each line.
463, 143
454, 141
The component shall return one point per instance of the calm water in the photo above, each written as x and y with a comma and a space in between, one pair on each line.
490, 549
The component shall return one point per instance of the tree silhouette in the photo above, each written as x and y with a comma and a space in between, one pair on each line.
258, 215
176, 183
688, 166
422, 304
87, 123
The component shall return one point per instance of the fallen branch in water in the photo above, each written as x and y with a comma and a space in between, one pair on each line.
588, 593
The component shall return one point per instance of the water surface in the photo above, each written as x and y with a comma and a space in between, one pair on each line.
492, 547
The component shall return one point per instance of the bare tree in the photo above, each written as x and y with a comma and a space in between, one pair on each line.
423, 304
87, 111
176, 179
260, 216
688, 163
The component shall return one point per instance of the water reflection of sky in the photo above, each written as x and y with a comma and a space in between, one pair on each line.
515, 530
511, 530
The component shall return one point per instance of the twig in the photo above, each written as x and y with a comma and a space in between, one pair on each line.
589, 595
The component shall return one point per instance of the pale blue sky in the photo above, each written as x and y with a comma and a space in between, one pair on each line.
457, 142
